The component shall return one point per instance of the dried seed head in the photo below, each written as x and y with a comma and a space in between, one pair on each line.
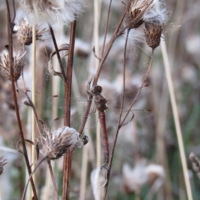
136, 11
51, 11
153, 34
58, 142
2, 163
24, 34
195, 163
18, 64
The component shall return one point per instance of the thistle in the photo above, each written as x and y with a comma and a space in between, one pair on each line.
51, 11
18, 65
155, 17
2, 163
24, 33
58, 142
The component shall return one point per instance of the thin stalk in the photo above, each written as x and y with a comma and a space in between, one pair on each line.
119, 119
176, 120
104, 56
106, 29
10, 40
33, 72
68, 157
57, 52
107, 50
53, 179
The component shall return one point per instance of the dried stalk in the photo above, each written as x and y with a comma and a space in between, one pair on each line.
176, 120
15, 98
68, 157
57, 52
33, 72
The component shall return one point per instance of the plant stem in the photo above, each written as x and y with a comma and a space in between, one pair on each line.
176, 120
15, 99
68, 157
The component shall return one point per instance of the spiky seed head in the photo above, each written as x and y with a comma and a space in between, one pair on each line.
18, 64
136, 11
2, 163
58, 142
54, 11
153, 33
24, 33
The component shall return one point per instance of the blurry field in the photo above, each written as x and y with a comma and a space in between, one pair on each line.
146, 163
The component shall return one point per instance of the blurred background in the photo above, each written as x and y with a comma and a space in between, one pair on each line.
146, 163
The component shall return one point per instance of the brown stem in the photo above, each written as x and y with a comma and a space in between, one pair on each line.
119, 119
106, 30
57, 52
53, 179
68, 156
15, 99
114, 36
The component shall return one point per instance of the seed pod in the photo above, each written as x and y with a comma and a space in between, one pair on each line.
153, 33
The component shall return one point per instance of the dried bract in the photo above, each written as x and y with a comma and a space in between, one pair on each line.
58, 142
51, 11
24, 34
155, 17
2, 163
153, 34
18, 64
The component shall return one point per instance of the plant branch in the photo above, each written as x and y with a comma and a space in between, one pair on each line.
15, 98
68, 157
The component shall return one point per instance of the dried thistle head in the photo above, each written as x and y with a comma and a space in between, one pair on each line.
24, 34
58, 142
155, 17
195, 164
2, 163
153, 34
18, 64
135, 13
51, 11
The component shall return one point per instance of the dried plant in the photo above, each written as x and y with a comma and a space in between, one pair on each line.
18, 64
2, 163
53, 11
195, 163
24, 33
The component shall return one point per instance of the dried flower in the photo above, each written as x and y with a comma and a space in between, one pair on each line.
155, 17
58, 142
18, 64
2, 163
195, 164
51, 11
24, 33
136, 12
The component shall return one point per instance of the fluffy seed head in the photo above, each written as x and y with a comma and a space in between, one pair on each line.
24, 34
2, 163
58, 142
18, 64
51, 11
